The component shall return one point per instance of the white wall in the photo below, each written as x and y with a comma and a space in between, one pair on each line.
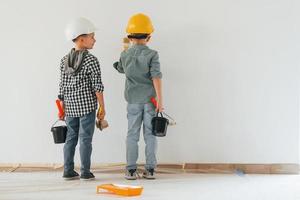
231, 78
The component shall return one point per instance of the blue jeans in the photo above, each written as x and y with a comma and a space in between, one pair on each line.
136, 114
82, 127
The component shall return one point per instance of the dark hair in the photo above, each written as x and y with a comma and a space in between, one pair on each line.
74, 40
138, 35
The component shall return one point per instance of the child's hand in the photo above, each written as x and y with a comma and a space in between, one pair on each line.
159, 107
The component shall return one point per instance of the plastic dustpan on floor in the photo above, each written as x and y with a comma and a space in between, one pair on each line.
123, 190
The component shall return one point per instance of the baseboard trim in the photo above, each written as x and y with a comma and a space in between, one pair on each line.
244, 168
275, 168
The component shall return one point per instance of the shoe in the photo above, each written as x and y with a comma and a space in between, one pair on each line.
70, 175
87, 176
149, 174
131, 174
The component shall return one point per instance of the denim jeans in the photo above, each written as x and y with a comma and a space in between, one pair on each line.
136, 115
82, 127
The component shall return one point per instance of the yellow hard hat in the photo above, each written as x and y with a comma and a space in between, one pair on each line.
139, 23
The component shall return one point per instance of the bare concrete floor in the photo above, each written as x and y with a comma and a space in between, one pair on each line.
50, 186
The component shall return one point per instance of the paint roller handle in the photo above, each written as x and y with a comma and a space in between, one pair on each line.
153, 101
100, 114
61, 112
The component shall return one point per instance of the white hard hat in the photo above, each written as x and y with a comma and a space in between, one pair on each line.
78, 27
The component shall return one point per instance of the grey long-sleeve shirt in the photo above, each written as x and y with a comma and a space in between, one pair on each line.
140, 65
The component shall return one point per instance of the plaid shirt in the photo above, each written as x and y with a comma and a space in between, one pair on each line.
78, 92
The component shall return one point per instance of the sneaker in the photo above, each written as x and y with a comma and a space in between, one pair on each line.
70, 175
131, 174
149, 174
87, 176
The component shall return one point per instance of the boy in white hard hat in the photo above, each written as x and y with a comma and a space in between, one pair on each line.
143, 80
80, 92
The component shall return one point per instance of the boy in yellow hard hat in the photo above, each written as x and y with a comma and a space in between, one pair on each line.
80, 90
143, 80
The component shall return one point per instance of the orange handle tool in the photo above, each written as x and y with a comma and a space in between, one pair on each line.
154, 102
60, 109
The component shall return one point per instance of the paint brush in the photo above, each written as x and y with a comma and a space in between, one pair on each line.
126, 43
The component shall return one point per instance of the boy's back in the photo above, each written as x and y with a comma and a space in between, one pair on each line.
76, 88
140, 64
